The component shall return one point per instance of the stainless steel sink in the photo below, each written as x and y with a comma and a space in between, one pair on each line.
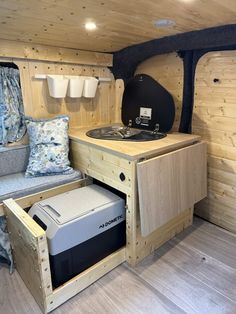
122, 133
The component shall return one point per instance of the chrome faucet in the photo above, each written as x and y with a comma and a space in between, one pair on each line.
156, 130
127, 129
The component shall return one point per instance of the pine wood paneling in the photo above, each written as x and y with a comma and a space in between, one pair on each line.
103, 109
168, 71
120, 23
214, 118
48, 53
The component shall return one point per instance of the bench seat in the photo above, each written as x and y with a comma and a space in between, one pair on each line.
16, 185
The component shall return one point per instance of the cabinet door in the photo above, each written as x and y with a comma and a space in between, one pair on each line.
170, 184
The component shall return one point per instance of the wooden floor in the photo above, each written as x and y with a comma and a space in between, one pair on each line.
193, 273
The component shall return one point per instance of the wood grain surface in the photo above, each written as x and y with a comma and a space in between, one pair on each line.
135, 150
82, 111
120, 23
169, 184
21, 50
214, 118
30, 251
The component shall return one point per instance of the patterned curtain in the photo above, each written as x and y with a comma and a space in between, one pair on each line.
12, 128
5, 248
12, 124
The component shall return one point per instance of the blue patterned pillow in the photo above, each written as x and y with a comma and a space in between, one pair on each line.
49, 146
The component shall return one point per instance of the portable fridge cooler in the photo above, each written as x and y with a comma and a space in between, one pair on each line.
82, 226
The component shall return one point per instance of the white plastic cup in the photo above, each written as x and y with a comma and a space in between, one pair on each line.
57, 85
75, 87
90, 87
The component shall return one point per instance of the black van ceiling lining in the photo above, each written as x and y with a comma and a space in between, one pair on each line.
126, 60
191, 46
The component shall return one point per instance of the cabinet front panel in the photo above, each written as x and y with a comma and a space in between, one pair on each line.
169, 184
105, 167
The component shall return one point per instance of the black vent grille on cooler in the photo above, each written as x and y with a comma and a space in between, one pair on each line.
147, 103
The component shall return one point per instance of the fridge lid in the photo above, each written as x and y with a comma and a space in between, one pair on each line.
76, 203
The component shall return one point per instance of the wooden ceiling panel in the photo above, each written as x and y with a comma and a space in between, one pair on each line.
119, 23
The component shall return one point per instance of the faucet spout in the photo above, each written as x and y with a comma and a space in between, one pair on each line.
127, 129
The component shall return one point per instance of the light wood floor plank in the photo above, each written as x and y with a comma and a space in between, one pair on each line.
189, 293
193, 273
119, 292
15, 298
211, 240
208, 270
183, 271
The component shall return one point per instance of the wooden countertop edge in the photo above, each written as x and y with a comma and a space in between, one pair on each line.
149, 153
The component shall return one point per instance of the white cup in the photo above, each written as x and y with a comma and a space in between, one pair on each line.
90, 87
75, 87
57, 85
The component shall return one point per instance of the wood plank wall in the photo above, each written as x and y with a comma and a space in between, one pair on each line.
23, 50
33, 59
82, 111
214, 119
167, 69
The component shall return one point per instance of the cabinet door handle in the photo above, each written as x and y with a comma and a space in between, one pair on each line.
122, 176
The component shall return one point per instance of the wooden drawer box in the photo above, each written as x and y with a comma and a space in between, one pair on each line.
30, 252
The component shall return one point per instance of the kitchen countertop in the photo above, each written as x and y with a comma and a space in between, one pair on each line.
135, 150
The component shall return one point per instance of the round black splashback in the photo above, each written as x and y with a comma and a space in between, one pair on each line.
147, 103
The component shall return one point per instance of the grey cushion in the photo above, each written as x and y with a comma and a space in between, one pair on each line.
13, 159
16, 185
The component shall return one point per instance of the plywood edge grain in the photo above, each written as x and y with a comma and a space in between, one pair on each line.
135, 150
22, 50
85, 279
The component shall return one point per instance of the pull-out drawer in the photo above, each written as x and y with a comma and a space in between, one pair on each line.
169, 184
31, 257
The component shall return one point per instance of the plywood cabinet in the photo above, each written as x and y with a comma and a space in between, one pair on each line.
162, 180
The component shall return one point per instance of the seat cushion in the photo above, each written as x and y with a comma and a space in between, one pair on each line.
14, 159
49, 146
17, 185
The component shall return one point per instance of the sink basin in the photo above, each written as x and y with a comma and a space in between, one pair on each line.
121, 133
